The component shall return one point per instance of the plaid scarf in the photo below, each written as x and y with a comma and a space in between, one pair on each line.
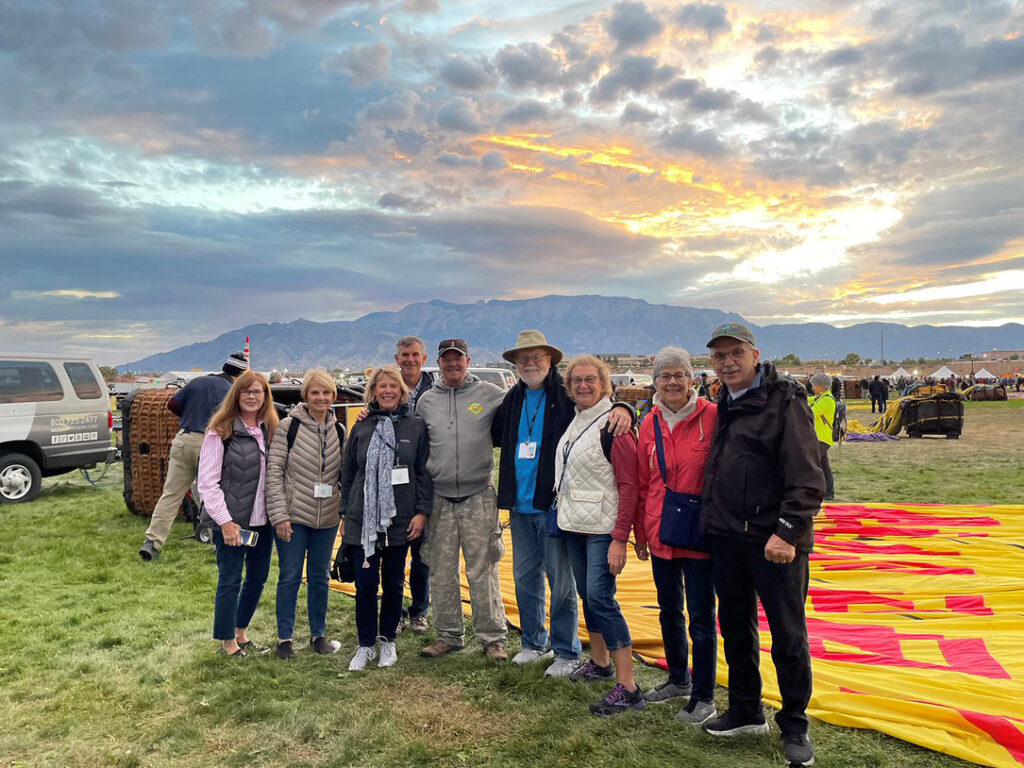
378, 495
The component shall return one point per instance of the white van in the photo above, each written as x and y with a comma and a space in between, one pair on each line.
500, 377
54, 417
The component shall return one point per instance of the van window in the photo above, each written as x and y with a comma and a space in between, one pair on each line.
82, 379
25, 381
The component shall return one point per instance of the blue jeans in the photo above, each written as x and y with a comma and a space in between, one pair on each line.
697, 578
236, 601
312, 546
534, 555
596, 585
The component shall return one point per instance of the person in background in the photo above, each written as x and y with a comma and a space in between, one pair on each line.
386, 495
194, 404
682, 577
879, 392
232, 481
303, 504
595, 477
823, 408
410, 355
703, 390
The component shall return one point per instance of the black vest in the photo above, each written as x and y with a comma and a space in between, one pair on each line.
240, 472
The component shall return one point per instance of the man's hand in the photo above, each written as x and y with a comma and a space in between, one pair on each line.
416, 526
616, 557
619, 420
231, 531
641, 550
284, 530
361, 416
778, 550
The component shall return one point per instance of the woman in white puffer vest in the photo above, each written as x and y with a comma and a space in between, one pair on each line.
596, 482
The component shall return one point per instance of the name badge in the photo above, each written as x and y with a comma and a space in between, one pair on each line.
322, 490
528, 450
399, 475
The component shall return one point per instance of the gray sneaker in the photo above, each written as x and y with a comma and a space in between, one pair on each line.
148, 551
696, 712
562, 667
668, 692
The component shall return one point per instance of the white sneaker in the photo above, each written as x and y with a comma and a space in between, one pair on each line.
388, 653
528, 656
562, 667
363, 656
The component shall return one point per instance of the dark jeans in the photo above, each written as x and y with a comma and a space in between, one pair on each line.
741, 576
387, 567
830, 483
236, 601
312, 546
419, 582
696, 578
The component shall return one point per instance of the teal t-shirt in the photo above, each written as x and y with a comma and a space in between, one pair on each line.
531, 427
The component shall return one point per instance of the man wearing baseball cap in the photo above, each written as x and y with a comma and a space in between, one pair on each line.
194, 404
763, 484
459, 410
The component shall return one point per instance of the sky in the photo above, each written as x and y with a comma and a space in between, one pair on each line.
173, 169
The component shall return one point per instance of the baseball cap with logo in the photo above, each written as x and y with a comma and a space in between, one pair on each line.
459, 345
736, 331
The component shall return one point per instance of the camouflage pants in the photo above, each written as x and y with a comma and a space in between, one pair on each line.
473, 527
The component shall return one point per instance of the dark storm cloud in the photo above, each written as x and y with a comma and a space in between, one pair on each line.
713, 20
634, 74
631, 25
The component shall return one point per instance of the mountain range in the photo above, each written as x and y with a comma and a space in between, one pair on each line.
597, 324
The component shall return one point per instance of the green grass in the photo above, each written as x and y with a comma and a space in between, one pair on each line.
108, 661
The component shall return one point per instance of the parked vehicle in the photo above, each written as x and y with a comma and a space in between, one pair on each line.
55, 417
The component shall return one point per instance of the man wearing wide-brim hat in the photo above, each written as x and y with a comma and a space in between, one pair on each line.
527, 427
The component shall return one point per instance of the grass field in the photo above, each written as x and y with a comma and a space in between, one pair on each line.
108, 661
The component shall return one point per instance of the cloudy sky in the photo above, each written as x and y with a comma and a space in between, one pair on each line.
172, 169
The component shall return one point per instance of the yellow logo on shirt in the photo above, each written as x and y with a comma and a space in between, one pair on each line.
476, 409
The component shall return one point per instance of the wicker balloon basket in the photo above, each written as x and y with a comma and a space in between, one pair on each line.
149, 429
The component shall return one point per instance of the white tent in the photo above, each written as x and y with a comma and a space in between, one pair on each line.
943, 373
899, 372
984, 374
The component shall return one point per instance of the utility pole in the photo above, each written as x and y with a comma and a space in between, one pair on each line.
882, 335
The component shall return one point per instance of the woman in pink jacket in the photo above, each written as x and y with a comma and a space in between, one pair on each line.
686, 424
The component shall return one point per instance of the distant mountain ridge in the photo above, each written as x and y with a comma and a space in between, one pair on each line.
597, 324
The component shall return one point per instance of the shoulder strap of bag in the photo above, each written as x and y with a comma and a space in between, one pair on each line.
660, 447
293, 431
568, 449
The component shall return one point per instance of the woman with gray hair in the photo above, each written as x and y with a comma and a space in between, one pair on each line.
675, 438
824, 408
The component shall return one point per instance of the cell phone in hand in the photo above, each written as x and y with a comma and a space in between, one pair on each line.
249, 538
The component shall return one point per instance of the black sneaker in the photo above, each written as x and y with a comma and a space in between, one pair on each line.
284, 649
148, 551
619, 700
321, 644
592, 671
797, 749
730, 724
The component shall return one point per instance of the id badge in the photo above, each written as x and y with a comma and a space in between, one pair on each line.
322, 490
399, 475
528, 450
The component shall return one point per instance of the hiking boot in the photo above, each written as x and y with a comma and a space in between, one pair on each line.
388, 653
284, 649
562, 667
148, 551
734, 724
667, 692
529, 655
591, 671
362, 657
439, 648
696, 712
619, 700
419, 624
797, 749
322, 645
495, 651
403, 622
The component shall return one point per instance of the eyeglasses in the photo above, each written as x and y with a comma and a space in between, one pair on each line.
588, 380
665, 378
733, 354
536, 357
255, 392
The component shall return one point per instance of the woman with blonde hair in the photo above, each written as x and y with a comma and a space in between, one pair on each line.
304, 502
232, 475
386, 496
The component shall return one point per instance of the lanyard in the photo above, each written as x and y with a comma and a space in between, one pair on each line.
568, 447
531, 420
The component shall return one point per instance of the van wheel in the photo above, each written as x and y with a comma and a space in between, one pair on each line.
20, 479
204, 534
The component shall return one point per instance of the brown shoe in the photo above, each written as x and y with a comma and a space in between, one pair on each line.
439, 648
496, 651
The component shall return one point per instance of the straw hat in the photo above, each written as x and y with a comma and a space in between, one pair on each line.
531, 340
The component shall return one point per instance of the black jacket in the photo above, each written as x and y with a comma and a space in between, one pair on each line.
411, 498
559, 411
763, 475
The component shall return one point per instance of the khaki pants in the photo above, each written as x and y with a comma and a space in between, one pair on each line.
473, 527
182, 468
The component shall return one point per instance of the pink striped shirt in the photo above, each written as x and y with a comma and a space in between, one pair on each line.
211, 460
